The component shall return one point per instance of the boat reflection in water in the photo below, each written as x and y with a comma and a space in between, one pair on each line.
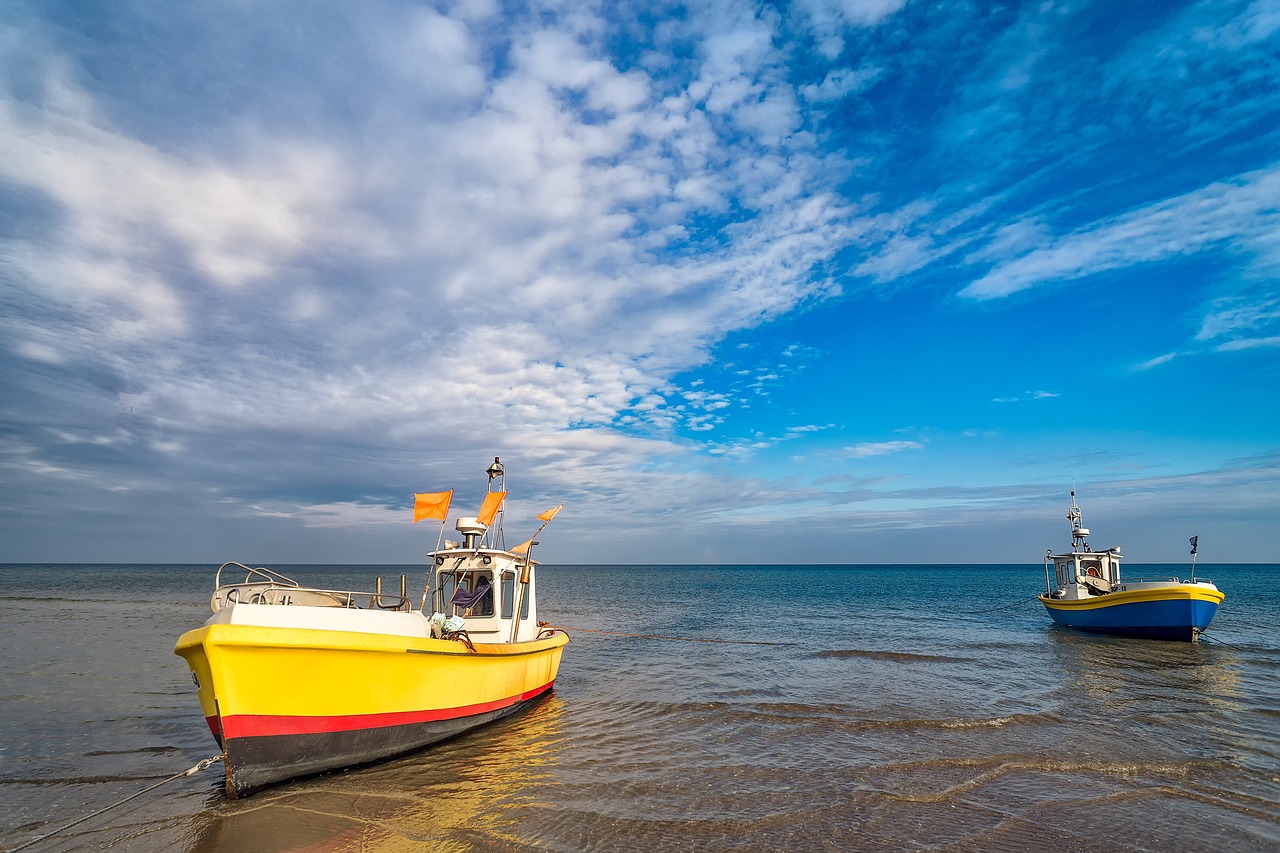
295, 681
477, 787
1085, 592
1120, 674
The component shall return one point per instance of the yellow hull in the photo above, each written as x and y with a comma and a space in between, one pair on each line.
289, 702
1184, 592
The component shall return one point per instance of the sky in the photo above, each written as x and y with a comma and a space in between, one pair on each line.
828, 281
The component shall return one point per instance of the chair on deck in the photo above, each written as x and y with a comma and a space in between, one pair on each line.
469, 599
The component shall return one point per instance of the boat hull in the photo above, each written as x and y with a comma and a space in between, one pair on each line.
287, 702
1175, 612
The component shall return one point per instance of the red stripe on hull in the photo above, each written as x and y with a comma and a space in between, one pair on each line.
271, 725
216, 727
253, 763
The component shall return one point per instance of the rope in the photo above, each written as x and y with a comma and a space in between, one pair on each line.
462, 637
660, 637
1217, 642
1017, 603
205, 764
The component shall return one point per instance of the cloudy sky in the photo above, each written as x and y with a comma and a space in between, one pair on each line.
825, 281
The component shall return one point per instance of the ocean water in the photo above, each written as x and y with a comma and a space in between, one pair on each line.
897, 708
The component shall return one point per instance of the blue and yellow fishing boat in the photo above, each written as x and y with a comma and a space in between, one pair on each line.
295, 680
1085, 591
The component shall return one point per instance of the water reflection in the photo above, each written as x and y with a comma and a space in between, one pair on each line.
1115, 672
445, 797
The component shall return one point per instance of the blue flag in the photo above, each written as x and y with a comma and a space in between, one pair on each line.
1194, 540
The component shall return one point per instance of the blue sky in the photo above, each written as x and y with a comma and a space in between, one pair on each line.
822, 281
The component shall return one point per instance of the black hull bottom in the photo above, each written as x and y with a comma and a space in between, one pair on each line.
1179, 633
254, 763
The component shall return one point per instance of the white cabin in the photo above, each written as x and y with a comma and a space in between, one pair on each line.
1083, 572
461, 573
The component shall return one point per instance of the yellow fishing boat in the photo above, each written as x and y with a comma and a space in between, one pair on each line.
296, 680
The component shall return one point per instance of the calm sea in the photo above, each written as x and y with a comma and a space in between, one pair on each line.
913, 707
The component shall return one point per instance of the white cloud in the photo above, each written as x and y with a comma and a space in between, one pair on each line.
898, 256
880, 448
1251, 343
456, 232
839, 84
343, 515
1238, 215
1155, 362
1247, 320
124, 198
830, 19
1028, 395
473, 271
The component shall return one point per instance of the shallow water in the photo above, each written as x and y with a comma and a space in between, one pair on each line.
906, 707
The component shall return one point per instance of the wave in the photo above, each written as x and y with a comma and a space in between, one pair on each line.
848, 717
904, 657
141, 749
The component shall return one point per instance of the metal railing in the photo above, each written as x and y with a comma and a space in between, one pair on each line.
264, 586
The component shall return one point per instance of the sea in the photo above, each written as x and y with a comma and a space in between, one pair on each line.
708, 708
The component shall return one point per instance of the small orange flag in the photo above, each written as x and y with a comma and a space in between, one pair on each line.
431, 505
550, 514
523, 547
489, 509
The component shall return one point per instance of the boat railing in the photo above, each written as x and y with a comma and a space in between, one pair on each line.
1163, 579
264, 586
263, 575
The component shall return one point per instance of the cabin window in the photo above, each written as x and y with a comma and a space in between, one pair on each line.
469, 583
447, 585
477, 581
508, 598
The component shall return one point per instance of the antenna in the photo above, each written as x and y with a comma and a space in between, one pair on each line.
497, 471
1078, 530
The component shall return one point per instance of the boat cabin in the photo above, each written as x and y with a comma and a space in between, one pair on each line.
485, 586
1083, 572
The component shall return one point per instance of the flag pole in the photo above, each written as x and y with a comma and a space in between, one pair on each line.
432, 505
550, 514
431, 568
523, 591
526, 568
1195, 546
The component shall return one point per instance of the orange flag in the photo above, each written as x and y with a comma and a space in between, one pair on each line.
523, 547
489, 509
550, 514
431, 505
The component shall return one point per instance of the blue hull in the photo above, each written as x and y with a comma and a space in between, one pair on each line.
1180, 619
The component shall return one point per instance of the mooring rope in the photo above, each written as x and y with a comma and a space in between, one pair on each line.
204, 764
1017, 603
1206, 636
567, 629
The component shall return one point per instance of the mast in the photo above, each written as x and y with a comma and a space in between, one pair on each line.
1078, 530
497, 471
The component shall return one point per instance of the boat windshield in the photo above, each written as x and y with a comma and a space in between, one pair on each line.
470, 593
466, 593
